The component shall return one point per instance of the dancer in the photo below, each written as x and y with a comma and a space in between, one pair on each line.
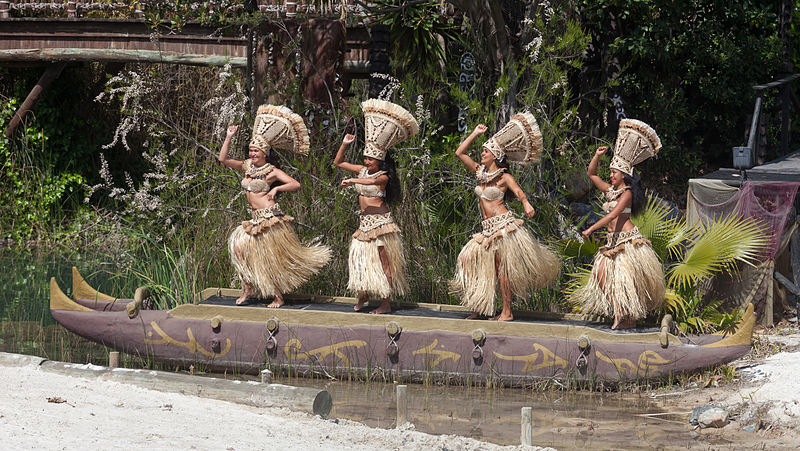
377, 263
627, 280
504, 253
266, 252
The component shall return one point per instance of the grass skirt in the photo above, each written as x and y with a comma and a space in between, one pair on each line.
268, 255
365, 268
527, 264
625, 272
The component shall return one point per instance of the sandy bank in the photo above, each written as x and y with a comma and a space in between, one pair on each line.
94, 413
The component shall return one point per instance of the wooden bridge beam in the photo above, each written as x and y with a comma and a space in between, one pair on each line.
50, 74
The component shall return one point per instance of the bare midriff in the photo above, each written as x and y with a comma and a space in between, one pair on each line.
372, 205
624, 219
258, 201
491, 208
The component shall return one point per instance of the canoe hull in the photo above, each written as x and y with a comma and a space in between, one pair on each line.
358, 350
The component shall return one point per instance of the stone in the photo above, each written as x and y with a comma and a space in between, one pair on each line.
715, 417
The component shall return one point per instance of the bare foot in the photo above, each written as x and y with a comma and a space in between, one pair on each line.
623, 324
276, 303
360, 304
474, 315
503, 317
385, 307
242, 300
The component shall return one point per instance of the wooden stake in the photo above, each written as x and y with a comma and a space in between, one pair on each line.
266, 376
402, 405
526, 423
113, 359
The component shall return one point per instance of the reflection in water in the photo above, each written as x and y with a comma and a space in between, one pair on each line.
563, 420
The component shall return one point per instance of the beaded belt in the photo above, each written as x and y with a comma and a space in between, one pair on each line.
262, 214
495, 223
614, 239
369, 222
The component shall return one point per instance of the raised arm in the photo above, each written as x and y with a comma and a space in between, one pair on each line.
624, 201
514, 187
591, 171
461, 152
223, 152
288, 184
339, 159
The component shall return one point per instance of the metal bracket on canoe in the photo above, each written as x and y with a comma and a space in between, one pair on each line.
135, 306
393, 330
663, 335
272, 328
478, 339
584, 344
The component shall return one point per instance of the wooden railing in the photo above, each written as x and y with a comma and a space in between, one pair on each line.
275, 8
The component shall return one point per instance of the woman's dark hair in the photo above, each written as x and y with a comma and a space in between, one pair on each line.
502, 163
393, 185
634, 182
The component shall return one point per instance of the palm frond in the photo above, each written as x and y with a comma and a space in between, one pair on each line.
717, 246
574, 248
578, 279
665, 234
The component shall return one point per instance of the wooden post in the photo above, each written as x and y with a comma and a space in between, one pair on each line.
766, 319
52, 72
526, 424
5, 9
266, 376
113, 359
402, 405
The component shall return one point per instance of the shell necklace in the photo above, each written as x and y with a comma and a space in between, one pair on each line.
486, 177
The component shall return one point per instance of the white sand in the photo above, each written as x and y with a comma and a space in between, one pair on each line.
100, 414
776, 386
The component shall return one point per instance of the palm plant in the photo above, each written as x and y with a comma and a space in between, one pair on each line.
693, 254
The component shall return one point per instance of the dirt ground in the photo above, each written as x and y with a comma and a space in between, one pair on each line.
763, 399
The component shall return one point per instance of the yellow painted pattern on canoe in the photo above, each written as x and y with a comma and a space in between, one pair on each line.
640, 368
293, 347
549, 359
191, 344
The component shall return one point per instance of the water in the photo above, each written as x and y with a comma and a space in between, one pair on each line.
563, 420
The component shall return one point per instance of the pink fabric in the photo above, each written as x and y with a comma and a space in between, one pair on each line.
769, 203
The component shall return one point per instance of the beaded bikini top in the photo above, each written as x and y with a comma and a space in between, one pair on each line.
255, 177
369, 190
612, 195
483, 177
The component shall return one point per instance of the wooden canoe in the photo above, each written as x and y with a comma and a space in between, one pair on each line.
323, 334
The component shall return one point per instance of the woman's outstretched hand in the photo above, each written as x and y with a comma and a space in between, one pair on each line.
346, 182
601, 150
348, 139
586, 233
232, 130
529, 211
480, 129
